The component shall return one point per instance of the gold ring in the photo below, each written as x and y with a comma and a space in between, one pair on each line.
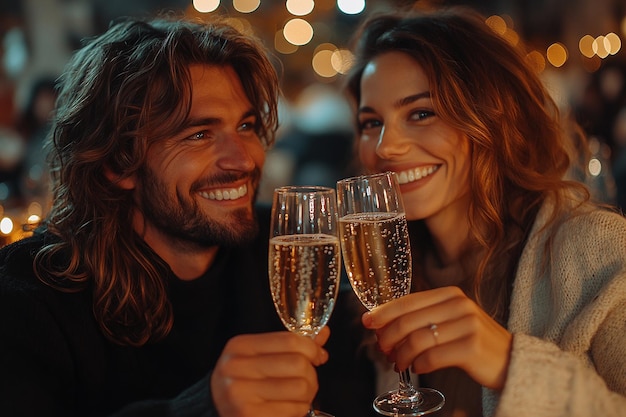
434, 330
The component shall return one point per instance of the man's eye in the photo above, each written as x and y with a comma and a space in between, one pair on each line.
249, 127
203, 134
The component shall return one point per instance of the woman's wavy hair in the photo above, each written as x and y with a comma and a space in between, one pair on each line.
121, 92
520, 149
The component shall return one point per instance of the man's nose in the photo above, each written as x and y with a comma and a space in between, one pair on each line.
235, 153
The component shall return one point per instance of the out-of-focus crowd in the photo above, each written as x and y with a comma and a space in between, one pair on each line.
314, 143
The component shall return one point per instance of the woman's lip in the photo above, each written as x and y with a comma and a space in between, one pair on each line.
416, 174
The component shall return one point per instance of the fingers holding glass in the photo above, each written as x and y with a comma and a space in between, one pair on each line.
377, 256
304, 259
464, 337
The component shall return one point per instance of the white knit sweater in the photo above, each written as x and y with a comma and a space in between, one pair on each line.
568, 322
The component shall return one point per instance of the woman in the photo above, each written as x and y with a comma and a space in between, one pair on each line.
519, 290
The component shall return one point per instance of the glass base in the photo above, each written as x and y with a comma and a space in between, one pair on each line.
317, 413
425, 401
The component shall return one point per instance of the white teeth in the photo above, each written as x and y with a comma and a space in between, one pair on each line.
416, 174
225, 194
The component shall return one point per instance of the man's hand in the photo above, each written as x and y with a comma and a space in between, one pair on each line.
268, 374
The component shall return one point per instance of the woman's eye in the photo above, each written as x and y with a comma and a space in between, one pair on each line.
421, 114
369, 124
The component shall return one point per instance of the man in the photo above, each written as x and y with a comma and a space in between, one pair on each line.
147, 293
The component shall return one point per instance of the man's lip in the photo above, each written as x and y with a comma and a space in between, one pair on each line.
225, 193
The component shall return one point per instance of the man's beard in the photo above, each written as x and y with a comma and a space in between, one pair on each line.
183, 220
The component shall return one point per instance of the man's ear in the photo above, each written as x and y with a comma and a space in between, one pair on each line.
125, 183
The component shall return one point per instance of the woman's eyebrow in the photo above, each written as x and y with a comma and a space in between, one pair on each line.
412, 98
399, 103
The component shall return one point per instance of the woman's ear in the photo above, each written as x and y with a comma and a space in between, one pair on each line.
125, 183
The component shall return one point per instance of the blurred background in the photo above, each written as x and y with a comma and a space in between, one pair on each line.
576, 45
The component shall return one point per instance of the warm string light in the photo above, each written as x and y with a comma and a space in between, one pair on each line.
300, 7
329, 60
206, 6
557, 53
16, 224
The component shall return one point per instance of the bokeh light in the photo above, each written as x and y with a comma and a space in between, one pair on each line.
300, 7
585, 45
557, 54
613, 42
599, 47
282, 45
497, 24
6, 225
351, 6
246, 6
322, 63
595, 167
206, 6
537, 61
342, 60
298, 31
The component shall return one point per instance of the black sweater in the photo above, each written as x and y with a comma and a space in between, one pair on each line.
54, 361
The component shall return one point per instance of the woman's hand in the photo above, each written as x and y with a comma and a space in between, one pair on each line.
268, 374
440, 328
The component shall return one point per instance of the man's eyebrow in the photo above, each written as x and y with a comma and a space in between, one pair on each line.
202, 121
207, 121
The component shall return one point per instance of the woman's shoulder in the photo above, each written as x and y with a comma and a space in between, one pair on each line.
590, 225
585, 246
573, 217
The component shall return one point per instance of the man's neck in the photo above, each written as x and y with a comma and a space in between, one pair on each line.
187, 260
189, 266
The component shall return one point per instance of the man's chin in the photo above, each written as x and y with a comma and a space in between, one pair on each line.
239, 229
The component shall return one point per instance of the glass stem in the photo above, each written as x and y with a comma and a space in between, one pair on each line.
406, 387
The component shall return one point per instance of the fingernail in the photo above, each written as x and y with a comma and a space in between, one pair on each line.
367, 319
323, 357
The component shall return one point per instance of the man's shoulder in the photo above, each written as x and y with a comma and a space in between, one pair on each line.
21, 250
16, 260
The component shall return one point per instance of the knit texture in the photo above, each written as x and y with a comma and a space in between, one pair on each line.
568, 318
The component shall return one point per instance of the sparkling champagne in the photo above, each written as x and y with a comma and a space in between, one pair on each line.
304, 279
376, 255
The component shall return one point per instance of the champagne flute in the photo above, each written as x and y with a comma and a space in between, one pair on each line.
377, 255
304, 259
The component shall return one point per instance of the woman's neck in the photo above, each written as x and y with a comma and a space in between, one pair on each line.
450, 234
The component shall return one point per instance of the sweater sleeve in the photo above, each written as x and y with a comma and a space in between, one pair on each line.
194, 402
545, 381
36, 376
568, 321
45, 343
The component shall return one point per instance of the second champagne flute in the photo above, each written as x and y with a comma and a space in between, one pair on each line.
377, 255
304, 259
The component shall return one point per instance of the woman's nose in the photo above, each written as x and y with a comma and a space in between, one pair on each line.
391, 143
